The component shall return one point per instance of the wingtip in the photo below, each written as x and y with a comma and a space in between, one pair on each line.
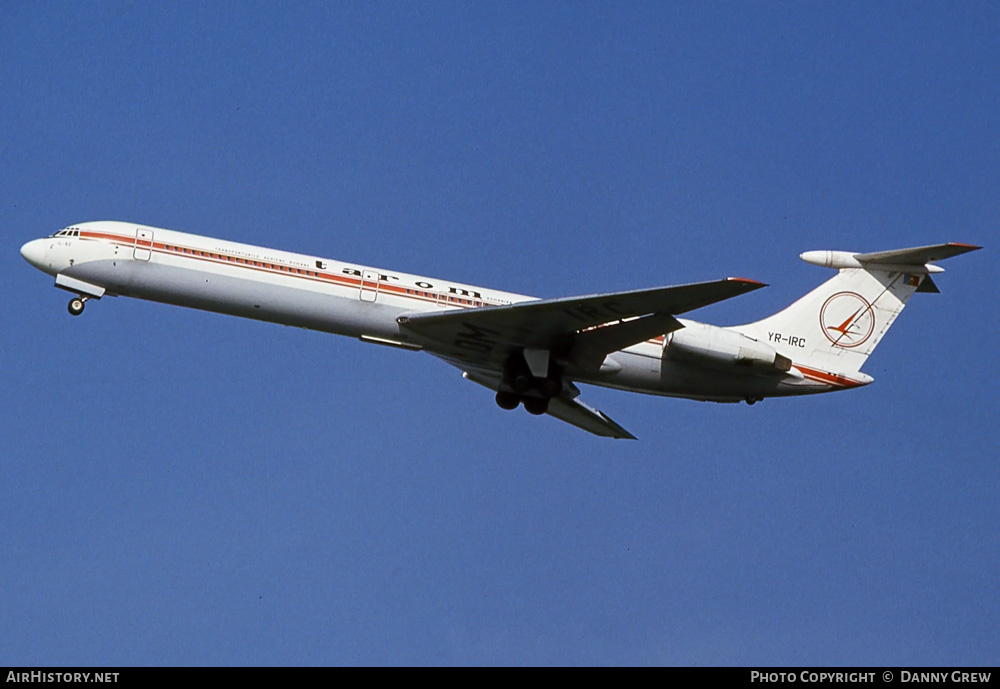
756, 283
963, 245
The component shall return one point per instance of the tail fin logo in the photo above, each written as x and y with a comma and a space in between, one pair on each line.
847, 319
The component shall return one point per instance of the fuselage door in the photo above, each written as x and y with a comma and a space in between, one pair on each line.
369, 285
143, 244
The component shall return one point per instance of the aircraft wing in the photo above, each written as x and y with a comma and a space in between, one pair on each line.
567, 327
578, 332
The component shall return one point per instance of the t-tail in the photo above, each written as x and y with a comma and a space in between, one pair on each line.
834, 328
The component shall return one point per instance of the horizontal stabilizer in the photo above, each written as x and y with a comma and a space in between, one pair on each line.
917, 256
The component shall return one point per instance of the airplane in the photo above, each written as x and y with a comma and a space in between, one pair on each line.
530, 352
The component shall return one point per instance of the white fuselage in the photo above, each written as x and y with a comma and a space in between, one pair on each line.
115, 258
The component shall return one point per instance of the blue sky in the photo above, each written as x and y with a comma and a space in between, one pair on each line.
182, 488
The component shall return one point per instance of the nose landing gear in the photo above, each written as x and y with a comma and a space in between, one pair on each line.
76, 305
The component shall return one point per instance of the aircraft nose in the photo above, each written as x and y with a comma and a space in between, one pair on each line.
34, 253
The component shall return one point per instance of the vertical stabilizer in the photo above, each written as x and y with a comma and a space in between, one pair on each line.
837, 326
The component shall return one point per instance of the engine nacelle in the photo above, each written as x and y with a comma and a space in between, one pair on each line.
710, 345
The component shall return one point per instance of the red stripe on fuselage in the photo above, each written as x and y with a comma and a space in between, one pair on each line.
830, 378
272, 268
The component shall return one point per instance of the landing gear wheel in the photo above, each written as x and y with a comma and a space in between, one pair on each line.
536, 405
76, 306
507, 400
